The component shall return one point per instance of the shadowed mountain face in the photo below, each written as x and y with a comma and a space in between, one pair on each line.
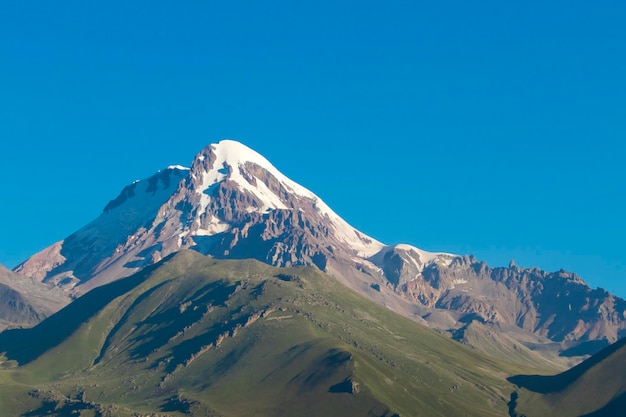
233, 204
201, 337
15, 308
25, 301
595, 387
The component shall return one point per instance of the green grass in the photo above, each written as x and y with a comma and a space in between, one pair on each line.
195, 336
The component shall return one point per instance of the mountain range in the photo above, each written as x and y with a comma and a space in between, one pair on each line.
233, 203
141, 282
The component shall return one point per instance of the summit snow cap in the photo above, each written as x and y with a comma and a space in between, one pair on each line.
254, 174
229, 159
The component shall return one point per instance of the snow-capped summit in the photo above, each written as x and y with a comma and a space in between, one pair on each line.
236, 162
266, 187
230, 202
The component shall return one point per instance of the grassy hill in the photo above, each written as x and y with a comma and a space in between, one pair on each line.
196, 336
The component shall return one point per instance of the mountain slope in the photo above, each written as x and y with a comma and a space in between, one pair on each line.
596, 387
233, 203
197, 336
14, 308
108, 245
25, 301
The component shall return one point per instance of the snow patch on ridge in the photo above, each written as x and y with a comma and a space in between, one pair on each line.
424, 256
215, 227
179, 167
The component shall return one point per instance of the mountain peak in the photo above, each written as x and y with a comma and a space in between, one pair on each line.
233, 181
229, 160
231, 202
250, 171
234, 152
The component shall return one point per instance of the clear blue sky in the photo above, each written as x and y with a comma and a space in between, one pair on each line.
493, 128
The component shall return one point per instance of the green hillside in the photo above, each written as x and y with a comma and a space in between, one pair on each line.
196, 336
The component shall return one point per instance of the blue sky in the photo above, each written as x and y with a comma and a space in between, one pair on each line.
489, 128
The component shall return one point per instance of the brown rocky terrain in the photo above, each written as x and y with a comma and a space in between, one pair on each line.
557, 305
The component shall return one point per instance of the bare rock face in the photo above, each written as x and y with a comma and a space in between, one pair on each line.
559, 305
41, 263
403, 266
232, 203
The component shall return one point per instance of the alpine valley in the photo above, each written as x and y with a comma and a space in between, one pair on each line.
226, 289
